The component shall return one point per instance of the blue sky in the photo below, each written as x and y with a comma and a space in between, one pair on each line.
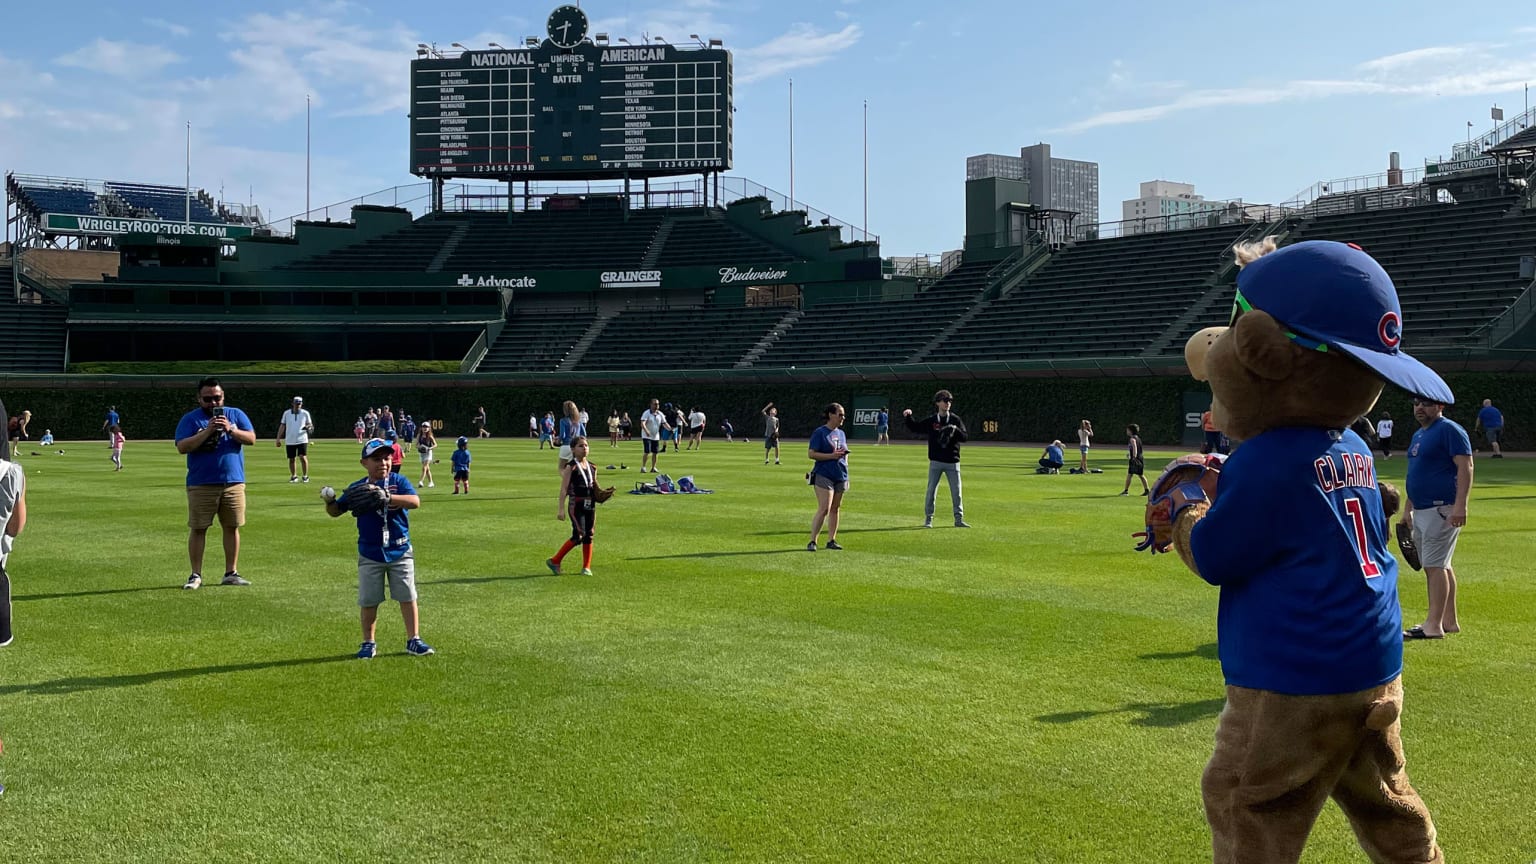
1244, 99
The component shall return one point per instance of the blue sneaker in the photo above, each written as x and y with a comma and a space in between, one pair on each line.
418, 648
553, 567
368, 651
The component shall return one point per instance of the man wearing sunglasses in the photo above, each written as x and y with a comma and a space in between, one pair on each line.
1439, 483
211, 436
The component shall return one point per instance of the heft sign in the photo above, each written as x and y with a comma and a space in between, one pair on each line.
68, 223
866, 416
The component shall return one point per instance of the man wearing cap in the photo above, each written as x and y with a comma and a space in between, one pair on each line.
1439, 484
1309, 624
946, 432
293, 429
211, 437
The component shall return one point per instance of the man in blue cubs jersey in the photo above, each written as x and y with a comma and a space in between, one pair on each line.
379, 502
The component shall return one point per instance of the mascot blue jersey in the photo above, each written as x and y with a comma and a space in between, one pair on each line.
1297, 543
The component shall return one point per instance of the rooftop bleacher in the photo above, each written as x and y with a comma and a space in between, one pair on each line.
169, 203
41, 197
704, 240
879, 331
1097, 298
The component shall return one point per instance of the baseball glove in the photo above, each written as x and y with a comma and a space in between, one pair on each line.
361, 497
1187, 481
601, 495
1406, 545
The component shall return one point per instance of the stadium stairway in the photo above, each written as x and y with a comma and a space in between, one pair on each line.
1096, 298
32, 335
879, 331
536, 341
579, 350
1214, 307
756, 352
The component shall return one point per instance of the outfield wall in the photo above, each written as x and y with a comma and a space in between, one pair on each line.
1022, 408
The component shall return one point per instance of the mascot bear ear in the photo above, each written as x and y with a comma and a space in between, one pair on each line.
1262, 347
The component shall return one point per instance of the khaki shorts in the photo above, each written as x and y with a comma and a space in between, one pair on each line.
226, 501
1435, 536
373, 575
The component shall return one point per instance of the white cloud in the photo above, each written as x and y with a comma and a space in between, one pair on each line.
803, 45
170, 27
120, 59
1468, 69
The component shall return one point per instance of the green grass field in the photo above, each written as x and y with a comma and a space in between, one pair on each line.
1028, 690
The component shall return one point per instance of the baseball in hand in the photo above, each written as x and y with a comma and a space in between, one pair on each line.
327, 494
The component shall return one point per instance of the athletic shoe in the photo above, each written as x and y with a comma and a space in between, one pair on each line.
765, 461
811, 546
233, 578
775, 461
1125, 493
834, 545
293, 479
455, 491
194, 582
553, 567
431, 485
586, 571
368, 651
417, 648
927, 523
961, 523
305, 479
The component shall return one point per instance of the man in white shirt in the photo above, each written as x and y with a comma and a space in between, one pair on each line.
293, 430
13, 517
651, 424
1384, 435
696, 429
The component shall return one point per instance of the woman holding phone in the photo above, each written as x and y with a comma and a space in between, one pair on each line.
829, 474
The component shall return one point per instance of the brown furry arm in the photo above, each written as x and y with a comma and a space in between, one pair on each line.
1183, 527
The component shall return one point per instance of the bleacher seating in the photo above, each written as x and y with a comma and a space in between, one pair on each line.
699, 338
56, 199
161, 202
1097, 298
1456, 266
554, 239
536, 341
708, 241
32, 336
886, 331
411, 249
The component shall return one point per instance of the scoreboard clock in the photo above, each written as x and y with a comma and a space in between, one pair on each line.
567, 27
571, 108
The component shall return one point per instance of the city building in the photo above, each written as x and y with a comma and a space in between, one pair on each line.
1054, 183
1168, 206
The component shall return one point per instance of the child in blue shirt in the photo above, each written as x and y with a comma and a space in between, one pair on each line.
384, 556
460, 460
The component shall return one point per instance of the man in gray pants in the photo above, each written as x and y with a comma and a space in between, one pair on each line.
946, 432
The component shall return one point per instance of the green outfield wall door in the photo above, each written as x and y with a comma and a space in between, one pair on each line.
862, 414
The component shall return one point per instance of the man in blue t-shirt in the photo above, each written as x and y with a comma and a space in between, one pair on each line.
1491, 422
1439, 484
211, 437
112, 420
384, 556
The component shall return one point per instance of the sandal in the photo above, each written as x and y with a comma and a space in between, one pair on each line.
1417, 632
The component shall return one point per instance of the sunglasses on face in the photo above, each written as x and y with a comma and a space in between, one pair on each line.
1240, 305
209, 400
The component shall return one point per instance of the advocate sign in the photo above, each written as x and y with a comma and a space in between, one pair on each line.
69, 223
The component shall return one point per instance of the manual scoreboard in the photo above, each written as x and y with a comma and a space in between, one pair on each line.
571, 108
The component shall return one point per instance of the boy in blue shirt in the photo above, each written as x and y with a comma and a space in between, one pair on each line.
461, 459
384, 554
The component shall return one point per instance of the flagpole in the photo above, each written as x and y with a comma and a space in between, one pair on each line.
866, 170
189, 172
306, 155
791, 143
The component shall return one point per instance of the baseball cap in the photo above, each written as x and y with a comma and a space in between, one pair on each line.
374, 445
463, 440
390, 435
298, 398
1333, 296
943, 396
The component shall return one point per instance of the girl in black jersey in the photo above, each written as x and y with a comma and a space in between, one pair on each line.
578, 484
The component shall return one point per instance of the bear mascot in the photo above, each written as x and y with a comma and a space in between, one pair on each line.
1292, 527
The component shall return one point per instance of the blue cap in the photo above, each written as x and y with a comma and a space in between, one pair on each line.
374, 445
463, 440
1336, 295
390, 434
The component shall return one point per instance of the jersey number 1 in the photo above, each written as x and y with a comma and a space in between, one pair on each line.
1357, 518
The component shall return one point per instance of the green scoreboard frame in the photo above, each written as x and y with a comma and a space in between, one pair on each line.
582, 111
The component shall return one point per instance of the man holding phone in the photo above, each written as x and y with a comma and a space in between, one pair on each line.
212, 436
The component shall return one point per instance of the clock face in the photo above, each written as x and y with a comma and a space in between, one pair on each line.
567, 26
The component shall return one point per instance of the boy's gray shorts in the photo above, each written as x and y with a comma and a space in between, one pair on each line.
372, 576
